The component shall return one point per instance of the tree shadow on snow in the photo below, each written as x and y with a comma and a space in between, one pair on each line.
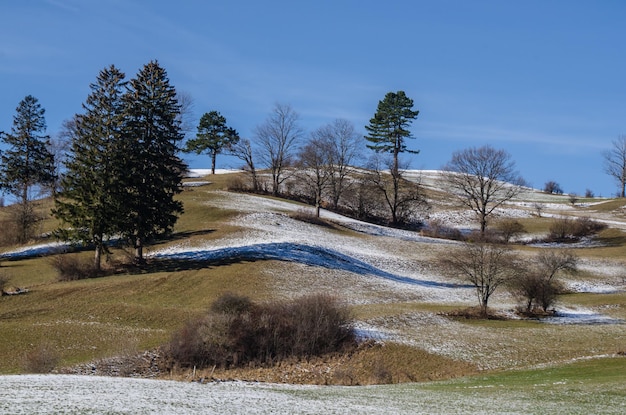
291, 252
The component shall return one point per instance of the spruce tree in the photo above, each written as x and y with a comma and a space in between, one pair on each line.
91, 198
27, 163
154, 170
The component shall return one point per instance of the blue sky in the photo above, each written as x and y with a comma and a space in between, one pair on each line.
543, 79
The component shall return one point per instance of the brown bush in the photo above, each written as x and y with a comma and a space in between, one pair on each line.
230, 303
237, 332
508, 229
573, 229
438, 229
71, 267
42, 359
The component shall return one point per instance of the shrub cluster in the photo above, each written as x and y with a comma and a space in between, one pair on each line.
71, 268
567, 229
237, 332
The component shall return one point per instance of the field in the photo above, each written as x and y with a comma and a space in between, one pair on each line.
261, 247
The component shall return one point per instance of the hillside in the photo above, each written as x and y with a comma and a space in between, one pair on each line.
261, 247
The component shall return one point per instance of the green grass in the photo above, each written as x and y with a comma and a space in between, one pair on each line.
89, 319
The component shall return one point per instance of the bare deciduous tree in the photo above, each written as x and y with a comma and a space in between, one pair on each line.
314, 173
244, 152
344, 148
483, 265
402, 197
483, 179
615, 163
538, 286
552, 187
277, 139
186, 116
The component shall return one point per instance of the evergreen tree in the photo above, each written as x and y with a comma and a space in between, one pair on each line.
153, 169
27, 163
91, 197
388, 129
213, 137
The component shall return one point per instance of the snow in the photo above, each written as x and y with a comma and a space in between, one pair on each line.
68, 394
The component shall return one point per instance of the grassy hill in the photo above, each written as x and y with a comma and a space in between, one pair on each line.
388, 277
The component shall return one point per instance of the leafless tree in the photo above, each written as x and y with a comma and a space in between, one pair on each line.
186, 117
344, 149
552, 187
483, 179
483, 265
538, 286
244, 152
313, 168
278, 139
402, 197
615, 162
60, 146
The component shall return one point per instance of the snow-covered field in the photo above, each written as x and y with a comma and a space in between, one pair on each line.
63, 394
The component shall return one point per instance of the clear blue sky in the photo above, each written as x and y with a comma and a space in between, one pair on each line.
543, 79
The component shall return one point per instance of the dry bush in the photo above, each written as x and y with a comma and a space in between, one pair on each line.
42, 359
71, 267
509, 229
567, 229
237, 184
237, 332
436, 228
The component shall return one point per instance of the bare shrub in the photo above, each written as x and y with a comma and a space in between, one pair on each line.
436, 228
567, 229
237, 184
237, 332
42, 359
71, 268
509, 229
538, 287
553, 188
486, 266
202, 341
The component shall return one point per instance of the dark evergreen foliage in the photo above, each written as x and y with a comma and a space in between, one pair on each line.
27, 162
153, 169
91, 198
388, 129
213, 137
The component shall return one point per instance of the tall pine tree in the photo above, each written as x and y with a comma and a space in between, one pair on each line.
27, 163
387, 133
213, 137
91, 200
154, 170
388, 129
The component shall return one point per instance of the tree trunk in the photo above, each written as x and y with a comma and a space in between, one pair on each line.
138, 251
97, 257
213, 157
